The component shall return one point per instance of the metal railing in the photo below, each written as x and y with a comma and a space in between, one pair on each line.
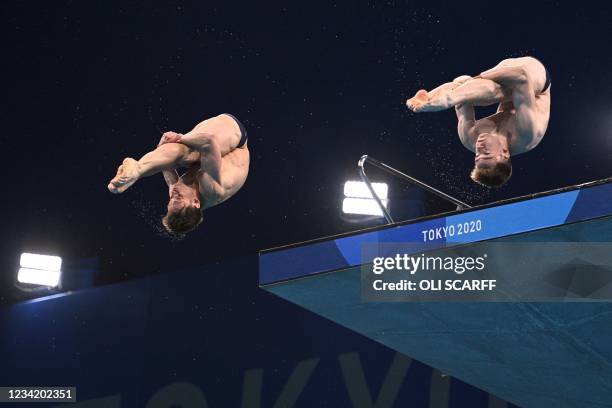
367, 159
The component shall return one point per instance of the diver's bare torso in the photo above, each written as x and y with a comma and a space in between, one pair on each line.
234, 171
522, 135
235, 160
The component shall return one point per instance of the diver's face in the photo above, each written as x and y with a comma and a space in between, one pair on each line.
181, 197
489, 151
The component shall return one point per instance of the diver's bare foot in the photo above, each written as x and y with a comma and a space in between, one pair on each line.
127, 174
417, 102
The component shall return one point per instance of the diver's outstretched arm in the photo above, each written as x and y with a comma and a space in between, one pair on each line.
475, 92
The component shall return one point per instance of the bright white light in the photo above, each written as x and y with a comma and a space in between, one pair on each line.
38, 277
36, 261
364, 206
36, 269
358, 189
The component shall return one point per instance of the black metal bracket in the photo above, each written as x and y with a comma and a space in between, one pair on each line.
376, 163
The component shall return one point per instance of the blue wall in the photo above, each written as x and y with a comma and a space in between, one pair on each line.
160, 340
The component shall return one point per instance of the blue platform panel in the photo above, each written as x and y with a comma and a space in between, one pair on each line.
510, 217
532, 354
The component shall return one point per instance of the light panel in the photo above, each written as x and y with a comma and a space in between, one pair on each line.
359, 189
38, 277
363, 206
37, 261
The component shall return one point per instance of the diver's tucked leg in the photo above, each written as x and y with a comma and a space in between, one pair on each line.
475, 92
165, 157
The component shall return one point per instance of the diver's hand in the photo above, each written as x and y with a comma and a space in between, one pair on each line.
170, 137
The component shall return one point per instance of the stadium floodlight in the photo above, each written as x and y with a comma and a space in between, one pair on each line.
358, 198
42, 270
358, 189
37, 261
362, 206
38, 277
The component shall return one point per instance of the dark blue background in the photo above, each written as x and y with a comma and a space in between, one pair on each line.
317, 85
136, 338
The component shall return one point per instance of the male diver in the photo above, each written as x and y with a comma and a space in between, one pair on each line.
521, 87
216, 156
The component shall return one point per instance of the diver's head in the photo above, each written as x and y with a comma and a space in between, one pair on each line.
184, 208
492, 166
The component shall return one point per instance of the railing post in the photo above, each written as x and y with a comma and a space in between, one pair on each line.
367, 159
368, 183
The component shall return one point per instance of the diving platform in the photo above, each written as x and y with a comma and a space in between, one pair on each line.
542, 352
